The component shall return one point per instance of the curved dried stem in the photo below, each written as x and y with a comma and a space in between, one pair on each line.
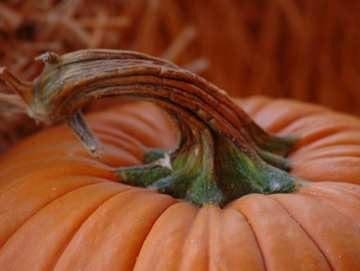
218, 138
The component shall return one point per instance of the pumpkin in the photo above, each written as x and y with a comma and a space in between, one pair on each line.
62, 208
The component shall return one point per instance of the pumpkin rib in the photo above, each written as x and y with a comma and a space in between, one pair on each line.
335, 169
146, 135
214, 236
327, 196
114, 138
351, 138
5, 189
324, 188
189, 249
154, 113
325, 119
333, 151
279, 234
128, 128
72, 235
315, 145
312, 129
338, 205
232, 223
283, 118
316, 136
118, 134
93, 181
255, 237
150, 123
351, 155
44, 206
240, 214
100, 192
279, 126
39, 153
346, 187
338, 237
157, 232
146, 235
124, 203
135, 116
80, 157
208, 243
109, 122
305, 231
36, 154
96, 169
212, 219
7, 186
70, 140
113, 148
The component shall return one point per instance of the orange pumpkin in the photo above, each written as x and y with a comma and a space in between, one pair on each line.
61, 209
238, 198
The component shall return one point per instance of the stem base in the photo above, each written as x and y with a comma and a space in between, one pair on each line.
210, 170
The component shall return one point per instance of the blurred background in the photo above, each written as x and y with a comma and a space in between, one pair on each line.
305, 49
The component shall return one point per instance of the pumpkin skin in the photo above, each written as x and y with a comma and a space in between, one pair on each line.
61, 209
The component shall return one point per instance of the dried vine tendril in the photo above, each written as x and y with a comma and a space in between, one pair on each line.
221, 155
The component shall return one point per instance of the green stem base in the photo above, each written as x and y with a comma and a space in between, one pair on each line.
210, 170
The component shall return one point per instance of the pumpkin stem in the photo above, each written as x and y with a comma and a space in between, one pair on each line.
209, 168
222, 153
187, 172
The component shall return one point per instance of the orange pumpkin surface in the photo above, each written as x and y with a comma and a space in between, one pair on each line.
61, 209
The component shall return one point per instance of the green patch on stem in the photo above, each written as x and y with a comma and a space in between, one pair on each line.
211, 170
